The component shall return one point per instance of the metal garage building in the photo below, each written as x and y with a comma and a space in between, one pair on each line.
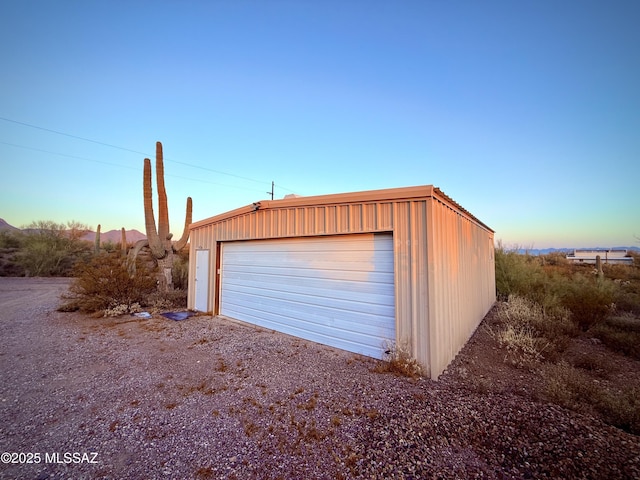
354, 271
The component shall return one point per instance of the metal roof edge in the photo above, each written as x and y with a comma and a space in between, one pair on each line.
351, 197
457, 206
401, 193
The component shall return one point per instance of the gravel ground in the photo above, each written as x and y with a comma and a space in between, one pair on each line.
212, 398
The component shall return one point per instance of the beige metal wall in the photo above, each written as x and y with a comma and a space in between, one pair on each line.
444, 270
461, 284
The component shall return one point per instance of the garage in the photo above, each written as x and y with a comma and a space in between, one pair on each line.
360, 271
335, 290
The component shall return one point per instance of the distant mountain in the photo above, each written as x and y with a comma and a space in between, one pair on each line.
115, 235
5, 226
546, 251
110, 236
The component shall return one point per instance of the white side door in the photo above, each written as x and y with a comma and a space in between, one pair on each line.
202, 280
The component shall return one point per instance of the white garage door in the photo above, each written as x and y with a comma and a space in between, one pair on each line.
335, 290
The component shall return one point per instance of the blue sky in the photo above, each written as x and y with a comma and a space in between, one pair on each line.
526, 113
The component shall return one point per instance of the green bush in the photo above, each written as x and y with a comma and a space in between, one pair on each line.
589, 300
10, 243
104, 283
570, 387
620, 333
516, 274
52, 249
180, 271
558, 287
9, 239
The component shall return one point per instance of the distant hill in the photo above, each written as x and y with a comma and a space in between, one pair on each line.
110, 236
114, 236
5, 226
546, 251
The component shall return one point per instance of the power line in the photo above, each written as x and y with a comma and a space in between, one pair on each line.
121, 166
128, 149
71, 136
67, 155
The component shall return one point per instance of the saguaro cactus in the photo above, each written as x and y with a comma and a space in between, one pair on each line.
123, 242
599, 271
96, 243
159, 238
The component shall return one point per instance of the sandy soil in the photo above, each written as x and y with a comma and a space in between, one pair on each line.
213, 398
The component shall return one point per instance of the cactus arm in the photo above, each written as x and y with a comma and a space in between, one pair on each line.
149, 218
163, 210
133, 254
180, 244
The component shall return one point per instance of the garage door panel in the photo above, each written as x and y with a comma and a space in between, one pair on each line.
320, 245
375, 282
286, 275
339, 298
318, 321
308, 307
333, 290
347, 338
306, 293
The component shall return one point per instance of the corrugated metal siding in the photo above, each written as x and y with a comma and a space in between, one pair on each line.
461, 289
444, 271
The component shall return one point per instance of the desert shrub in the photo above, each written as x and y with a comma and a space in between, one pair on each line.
399, 361
104, 283
589, 300
627, 281
529, 333
122, 309
515, 333
522, 344
558, 259
566, 385
574, 389
620, 333
9, 239
621, 409
10, 243
180, 271
159, 301
516, 273
51, 249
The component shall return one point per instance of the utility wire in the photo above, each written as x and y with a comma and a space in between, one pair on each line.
67, 155
71, 136
127, 149
121, 166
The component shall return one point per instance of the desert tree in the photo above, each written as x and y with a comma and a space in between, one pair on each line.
52, 249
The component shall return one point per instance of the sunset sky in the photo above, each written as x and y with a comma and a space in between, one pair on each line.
527, 113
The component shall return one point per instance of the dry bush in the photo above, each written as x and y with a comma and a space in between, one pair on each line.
627, 281
574, 389
163, 301
105, 284
566, 385
529, 333
399, 361
522, 345
620, 333
558, 259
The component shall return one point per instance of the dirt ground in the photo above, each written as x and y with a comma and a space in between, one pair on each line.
212, 398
